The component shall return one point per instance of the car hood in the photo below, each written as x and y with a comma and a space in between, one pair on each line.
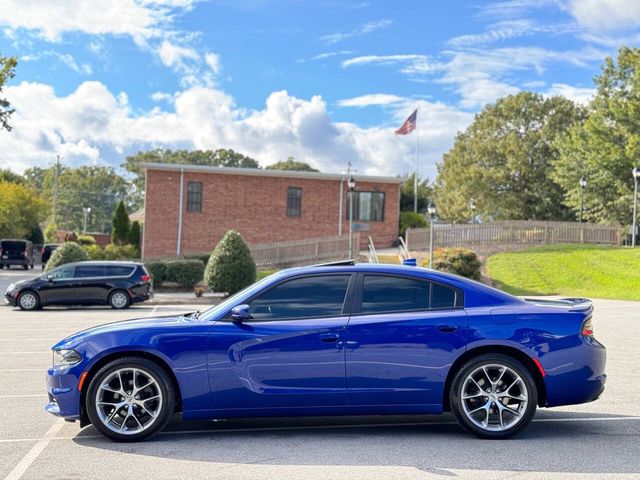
127, 325
21, 283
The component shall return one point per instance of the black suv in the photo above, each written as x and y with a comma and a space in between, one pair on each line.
47, 250
16, 252
118, 284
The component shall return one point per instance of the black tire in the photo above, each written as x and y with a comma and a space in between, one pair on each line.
526, 411
150, 368
114, 300
25, 303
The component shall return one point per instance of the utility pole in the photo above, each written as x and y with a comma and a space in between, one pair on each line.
55, 190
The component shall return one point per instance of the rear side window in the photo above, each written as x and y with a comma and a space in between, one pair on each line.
442, 297
118, 271
305, 297
89, 271
382, 294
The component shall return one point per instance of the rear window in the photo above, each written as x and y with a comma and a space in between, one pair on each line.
14, 245
89, 271
118, 270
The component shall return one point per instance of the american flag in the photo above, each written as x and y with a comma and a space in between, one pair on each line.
409, 124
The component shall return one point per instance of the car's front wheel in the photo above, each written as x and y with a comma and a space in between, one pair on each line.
493, 396
119, 299
130, 399
28, 300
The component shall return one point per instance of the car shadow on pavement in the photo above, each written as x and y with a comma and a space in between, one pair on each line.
553, 442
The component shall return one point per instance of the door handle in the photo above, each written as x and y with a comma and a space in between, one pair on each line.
447, 328
329, 337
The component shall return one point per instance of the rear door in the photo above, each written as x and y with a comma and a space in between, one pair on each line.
90, 283
290, 354
401, 339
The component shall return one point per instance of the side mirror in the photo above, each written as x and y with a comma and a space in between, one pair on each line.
50, 278
240, 313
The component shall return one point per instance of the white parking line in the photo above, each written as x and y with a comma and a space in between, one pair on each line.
24, 396
153, 311
35, 452
22, 369
42, 352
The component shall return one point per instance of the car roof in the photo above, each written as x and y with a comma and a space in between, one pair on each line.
106, 262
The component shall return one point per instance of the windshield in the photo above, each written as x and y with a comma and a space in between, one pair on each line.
214, 312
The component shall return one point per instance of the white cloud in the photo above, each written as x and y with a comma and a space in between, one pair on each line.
371, 99
70, 62
213, 61
136, 18
162, 97
173, 55
325, 55
363, 29
91, 123
606, 15
499, 31
577, 94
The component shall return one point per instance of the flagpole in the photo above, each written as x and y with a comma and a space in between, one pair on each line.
415, 176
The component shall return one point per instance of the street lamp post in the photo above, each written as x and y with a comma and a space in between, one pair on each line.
472, 206
583, 183
87, 211
636, 178
432, 214
352, 187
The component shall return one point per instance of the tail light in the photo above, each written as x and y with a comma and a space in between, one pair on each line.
145, 278
587, 328
24, 253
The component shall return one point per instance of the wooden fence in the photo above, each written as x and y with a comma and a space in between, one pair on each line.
522, 232
300, 252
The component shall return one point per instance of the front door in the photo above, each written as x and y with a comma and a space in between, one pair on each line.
60, 288
289, 355
402, 337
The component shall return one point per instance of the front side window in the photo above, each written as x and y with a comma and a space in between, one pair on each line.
367, 206
294, 202
65, 271
304, 297
194, 197
381, 294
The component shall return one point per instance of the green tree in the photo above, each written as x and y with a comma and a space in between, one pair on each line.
217, 158
230, 267
291, 164
7, 72
97, 187
135, 234
606, 147
9, 176
120, 230
504, 159
68, 252
21, 210
425, 194
411, 220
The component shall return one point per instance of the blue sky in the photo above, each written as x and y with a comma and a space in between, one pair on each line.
323, 81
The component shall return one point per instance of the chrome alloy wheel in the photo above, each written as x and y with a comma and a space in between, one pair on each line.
28, 301
119, 299
494, 397
128, 401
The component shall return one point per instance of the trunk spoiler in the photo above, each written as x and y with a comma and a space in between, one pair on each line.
574, 304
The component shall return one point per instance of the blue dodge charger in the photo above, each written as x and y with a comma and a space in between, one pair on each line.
335, 339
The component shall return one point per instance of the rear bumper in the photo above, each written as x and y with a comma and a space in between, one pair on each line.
579, 376
16, 261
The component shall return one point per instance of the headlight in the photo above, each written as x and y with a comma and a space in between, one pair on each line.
11, 287
66, 358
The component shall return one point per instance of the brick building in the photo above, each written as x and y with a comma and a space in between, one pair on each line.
263, 205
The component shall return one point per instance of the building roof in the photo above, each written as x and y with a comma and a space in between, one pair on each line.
259, 172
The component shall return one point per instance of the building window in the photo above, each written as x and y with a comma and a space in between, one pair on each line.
294, 202
194, 197
367, 206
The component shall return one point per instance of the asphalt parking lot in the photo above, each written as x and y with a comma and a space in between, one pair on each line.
597, 440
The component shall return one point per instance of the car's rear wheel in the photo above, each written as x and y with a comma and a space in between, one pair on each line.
28, 300
130, 399
493, 396
119, 299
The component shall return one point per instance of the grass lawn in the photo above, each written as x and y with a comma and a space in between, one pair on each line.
265, 273
572, 270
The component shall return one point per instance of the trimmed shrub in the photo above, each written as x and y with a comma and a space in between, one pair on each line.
135, 234
86, 240
186, 273
120, 252
203, 257
158, 271
230, 267
411, 220
68, 252
461, 261
94, 252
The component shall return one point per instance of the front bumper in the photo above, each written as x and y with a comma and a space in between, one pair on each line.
63, 393
11, 298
